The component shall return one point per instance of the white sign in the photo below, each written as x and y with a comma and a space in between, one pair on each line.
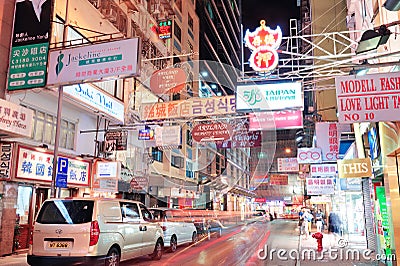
369, 98
277, 96
108, 169
94, 62
309, 155
323, 169
97, 99
15, 119
37, 165
320, 186
328, 138
166, 136
288, 165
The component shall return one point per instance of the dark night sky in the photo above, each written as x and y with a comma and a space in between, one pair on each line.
272, 11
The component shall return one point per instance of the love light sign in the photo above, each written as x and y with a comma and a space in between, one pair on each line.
263, 42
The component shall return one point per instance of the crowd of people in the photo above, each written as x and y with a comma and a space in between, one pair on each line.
308, 217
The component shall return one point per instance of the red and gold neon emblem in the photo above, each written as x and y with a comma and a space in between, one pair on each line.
263, 42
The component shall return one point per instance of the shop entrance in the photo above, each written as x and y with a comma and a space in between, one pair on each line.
28, 203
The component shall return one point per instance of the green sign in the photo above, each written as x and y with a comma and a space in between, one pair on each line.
28, 65
383, 229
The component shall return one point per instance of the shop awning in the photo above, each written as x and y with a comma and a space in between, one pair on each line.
242, 191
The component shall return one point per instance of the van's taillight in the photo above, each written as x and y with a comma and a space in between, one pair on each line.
94, 233
164, 228
31, 235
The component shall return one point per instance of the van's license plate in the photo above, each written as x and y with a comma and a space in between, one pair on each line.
59, 244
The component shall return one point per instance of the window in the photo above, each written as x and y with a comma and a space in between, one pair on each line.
177, 32
66, 212
189, 139
44, 129
190, 22
147, 216
176, 161
189, 172
129, 211
157, 154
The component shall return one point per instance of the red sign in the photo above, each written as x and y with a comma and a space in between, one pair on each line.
170, 80
276, 179
263, 42
212, 132
260, 200
276, 120
139, 183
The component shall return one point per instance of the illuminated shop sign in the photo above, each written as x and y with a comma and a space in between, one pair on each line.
263, 43
165, 29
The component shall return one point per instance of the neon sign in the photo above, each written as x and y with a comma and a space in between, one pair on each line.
263, 42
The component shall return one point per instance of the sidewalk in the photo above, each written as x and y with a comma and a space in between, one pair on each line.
337, 250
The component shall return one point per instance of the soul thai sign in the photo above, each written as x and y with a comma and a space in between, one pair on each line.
369, 98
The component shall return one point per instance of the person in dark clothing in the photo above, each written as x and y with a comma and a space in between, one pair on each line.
334, 223
32, 22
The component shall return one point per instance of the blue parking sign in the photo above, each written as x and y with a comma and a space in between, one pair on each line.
62, 172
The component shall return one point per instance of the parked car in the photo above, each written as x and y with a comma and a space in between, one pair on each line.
176, 225
93, 230
214, 228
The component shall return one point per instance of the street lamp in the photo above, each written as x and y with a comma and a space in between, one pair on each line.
371, 39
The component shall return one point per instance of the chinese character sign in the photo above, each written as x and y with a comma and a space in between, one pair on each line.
30, 45
37, 165
263, 42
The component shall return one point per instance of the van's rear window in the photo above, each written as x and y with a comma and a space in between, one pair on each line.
66, 212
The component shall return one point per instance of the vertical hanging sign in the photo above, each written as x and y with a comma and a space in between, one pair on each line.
30, 44
263, 43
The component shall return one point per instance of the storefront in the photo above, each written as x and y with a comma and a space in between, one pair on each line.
30, 184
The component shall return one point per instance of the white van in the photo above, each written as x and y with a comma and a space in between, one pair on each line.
93, 230
177, 227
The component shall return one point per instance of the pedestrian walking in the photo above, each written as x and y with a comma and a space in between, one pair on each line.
319, 221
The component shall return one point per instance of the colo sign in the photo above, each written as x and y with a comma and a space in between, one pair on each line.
369, 98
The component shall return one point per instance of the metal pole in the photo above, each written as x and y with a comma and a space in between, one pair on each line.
59, 114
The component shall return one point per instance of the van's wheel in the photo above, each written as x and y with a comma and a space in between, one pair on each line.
194, 238
173, 244
158, 250
113, 257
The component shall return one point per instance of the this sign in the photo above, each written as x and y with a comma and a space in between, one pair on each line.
169, 80
309, 155
263, 42
320, 199
165, 29
97, 99
268, 97
192, 107
62, 172
6, 150
212, 132
288, 165
116, 140
36, 165
94, 62
15, 119
355, 168
139, 183
276, 120
368, 98
30, 45
328, 137
320, 186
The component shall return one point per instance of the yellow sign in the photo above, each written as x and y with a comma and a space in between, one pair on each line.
354, 168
